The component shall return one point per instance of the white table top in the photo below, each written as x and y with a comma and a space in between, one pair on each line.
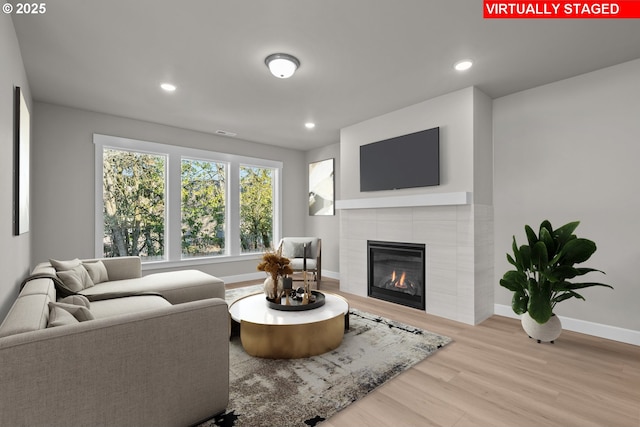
254, 309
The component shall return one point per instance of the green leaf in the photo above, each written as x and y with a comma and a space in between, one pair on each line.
539, 255
545, 236
583, 285
577, 251
514, 281
546, 225
562, 272
583, 270
565, 272
564, 233
516, 254
531, 235
565, 296
519, 302
512, 261
539, 306
525, 257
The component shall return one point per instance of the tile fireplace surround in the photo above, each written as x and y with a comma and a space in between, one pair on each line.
459, 248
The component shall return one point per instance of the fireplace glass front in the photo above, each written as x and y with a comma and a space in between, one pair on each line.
396, 272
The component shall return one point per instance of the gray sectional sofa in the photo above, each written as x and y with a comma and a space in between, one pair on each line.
130, 350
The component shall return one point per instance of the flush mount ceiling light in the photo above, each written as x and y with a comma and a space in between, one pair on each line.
168, 87
282, 65
463, 65
309, 125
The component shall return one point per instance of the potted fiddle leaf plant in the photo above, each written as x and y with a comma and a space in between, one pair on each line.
542, 277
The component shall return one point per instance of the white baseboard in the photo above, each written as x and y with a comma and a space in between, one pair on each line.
614, 333
331, 274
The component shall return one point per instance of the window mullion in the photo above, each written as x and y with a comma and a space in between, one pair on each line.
233, 209
173, 224
277, 207
99, 202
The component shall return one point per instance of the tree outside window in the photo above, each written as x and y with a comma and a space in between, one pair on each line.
203, 208
178, 204
134, 204
256, 208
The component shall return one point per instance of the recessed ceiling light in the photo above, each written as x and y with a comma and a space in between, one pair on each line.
168, 87
309, 125
463, 65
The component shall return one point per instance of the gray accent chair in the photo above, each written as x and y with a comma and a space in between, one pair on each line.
293, 248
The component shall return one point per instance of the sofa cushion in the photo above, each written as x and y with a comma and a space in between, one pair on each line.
76, 279
97, 271
58, 316
298, 263
176, 286
81, 313
125, 305
65, 265
76, 300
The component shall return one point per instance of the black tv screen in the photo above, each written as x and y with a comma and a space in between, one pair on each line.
406, 161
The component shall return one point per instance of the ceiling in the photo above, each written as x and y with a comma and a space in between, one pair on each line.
359, 59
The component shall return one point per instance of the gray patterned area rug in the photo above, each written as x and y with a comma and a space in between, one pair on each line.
305, 392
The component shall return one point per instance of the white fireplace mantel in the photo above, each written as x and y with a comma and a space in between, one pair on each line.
434, 199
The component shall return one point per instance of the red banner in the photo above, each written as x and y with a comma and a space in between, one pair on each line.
563, 9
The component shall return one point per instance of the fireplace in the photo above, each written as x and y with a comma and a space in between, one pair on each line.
396, 272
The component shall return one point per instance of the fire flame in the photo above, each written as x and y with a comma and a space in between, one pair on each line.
400, 282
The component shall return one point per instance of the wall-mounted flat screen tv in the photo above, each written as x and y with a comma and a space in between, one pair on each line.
406, 161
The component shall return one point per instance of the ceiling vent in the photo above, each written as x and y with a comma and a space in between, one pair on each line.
225, 133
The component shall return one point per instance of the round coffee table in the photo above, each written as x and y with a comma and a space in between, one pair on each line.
276, 334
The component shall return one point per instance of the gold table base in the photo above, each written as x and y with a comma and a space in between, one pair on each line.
292, 341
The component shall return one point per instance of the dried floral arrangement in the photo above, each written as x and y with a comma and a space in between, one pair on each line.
275, 264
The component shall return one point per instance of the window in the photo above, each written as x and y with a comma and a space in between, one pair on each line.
134, 204
256, 208
169, 204
203, 208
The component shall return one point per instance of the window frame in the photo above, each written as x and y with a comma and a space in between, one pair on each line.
173, 185
275, 196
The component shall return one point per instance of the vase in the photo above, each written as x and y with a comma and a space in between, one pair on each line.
271, 291
545, 332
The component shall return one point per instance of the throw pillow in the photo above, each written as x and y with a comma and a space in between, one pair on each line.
76, 300
97, 271
298, 250
65, 265
76, 279
60, 317
80, 312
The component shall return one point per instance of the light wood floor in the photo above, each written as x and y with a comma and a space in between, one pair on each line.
492, 374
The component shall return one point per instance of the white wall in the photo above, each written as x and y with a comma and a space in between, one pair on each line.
324, 226
63, 178
452, 113
482, 148
15, 259
569, 151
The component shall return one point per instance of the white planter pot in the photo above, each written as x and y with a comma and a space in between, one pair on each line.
268, 287
546, 332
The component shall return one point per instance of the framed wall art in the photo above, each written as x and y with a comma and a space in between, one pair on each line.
22, 136
321, 188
